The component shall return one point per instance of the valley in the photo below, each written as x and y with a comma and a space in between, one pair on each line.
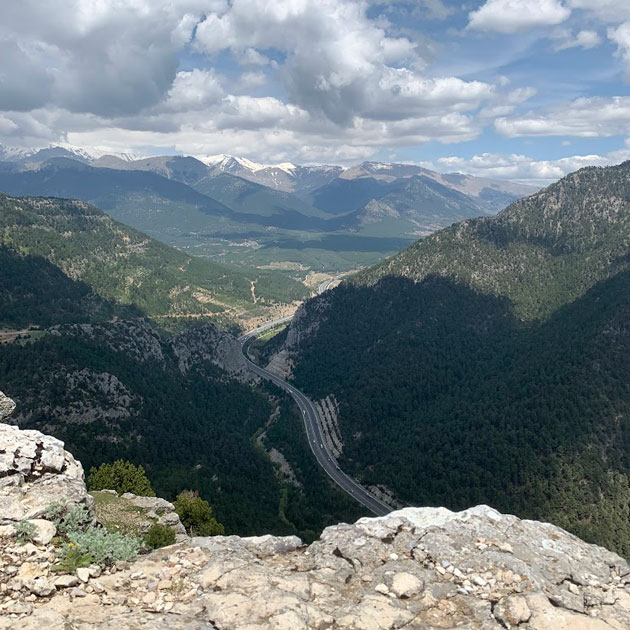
249, 216
418, 351
486, 362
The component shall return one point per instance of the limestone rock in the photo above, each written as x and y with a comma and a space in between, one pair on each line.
40, 586
512, 611
418, 567
7, 407
36, 471
44, 531
66, 581
206, 343
406, 585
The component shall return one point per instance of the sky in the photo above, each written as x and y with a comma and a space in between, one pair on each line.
527, 90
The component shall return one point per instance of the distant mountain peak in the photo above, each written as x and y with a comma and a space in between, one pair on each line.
226, 162
61, 149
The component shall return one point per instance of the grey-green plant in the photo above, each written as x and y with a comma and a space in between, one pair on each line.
25, 531
55, 510
105, 548
74, 520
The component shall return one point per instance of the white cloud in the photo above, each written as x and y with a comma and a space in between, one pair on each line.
522, 168
194, 90
106, 57
611, 11
621, 37
584, 117
511, 16
583, 39
314, 79
338, 63
432, 9
251, 57
250, 80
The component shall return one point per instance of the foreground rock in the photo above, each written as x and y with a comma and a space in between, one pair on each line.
35, 471
424, 568
7, 407
136, 514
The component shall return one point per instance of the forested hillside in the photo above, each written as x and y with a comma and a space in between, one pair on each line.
541, 252
86, 254
175, 406
489, 362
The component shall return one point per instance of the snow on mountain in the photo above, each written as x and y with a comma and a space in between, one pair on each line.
40, 154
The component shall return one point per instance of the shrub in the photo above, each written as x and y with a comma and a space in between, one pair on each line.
196, 515
159, 536
71, 559
25, 531
54, 511
74, 520
121, 476
103, 547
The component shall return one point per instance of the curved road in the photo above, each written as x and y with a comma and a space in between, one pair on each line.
313, 430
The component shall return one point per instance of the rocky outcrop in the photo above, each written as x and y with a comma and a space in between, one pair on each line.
206, 343
305, 322
137, 339
417, 568
35, 471
157, 510
7, 407
422, 568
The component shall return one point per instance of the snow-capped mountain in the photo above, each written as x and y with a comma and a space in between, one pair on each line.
286, 176
64, 150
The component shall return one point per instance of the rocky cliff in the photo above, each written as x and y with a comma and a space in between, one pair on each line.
422, 568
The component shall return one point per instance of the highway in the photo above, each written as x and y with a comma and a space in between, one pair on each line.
313, 428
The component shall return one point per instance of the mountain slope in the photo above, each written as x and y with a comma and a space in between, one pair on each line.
249, 197
541, 252
414, 205
488, 362
118, 263
179, 407
35, 291
149, 195
491, 194
62, 177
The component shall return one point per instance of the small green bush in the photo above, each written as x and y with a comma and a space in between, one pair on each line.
196, 515
71, 559
159, 536
54, 511
25, 531
103, 547
121, 476
75, 519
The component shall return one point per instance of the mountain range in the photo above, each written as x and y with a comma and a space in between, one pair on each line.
488, 362
485, 363
320, 218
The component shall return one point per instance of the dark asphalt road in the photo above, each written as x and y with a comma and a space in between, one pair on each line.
314, 433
